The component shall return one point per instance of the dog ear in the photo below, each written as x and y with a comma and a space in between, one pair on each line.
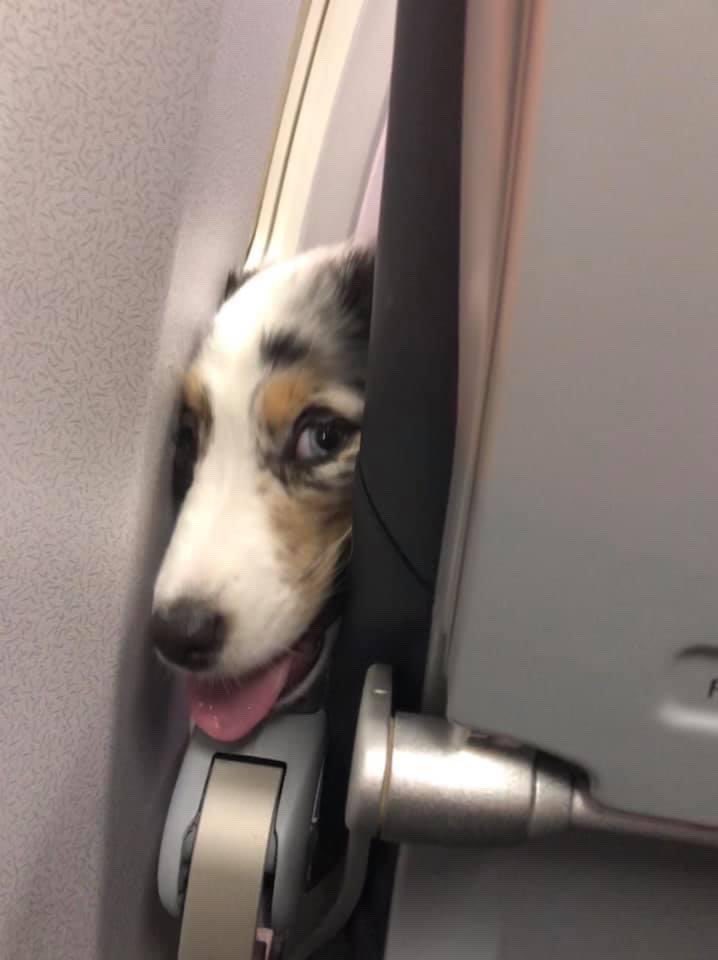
235, 281
356, 288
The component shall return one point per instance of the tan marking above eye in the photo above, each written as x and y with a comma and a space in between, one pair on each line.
197, 399
195, 393
284, 396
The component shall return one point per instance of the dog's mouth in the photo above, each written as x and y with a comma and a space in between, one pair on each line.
229, 709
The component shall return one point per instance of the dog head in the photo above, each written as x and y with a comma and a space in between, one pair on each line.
268, 436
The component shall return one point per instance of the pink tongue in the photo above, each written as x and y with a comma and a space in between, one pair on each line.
228, 710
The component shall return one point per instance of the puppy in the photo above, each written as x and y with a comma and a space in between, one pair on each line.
268, 436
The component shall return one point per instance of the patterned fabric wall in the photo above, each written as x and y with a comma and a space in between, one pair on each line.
133, 142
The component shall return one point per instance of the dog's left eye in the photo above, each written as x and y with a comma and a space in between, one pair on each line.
320, 439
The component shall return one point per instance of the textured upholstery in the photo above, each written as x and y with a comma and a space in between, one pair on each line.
133, 143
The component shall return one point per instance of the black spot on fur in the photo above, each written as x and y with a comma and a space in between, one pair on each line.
283, 348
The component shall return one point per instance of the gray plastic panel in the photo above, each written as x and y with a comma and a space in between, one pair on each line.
576, 898
587, 615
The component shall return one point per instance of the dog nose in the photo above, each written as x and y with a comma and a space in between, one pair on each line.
188, 634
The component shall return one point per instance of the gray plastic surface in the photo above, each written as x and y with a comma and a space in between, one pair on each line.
297, 742
587, 614
571, 898
578, 897
354, 129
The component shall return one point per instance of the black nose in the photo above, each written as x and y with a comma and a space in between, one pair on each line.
189, 634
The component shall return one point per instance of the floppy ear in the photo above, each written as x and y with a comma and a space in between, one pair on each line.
235, 281
356, 288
